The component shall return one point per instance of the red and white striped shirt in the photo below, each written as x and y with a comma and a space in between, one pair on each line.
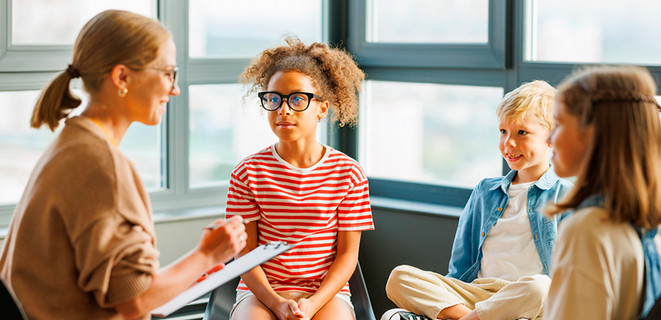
302, 206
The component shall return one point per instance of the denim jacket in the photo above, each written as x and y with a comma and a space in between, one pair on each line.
484, 208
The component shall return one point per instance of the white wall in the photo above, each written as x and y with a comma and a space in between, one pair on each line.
175, 238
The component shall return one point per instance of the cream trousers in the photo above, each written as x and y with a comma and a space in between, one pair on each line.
427, 293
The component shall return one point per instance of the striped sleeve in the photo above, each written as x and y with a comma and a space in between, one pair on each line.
240, 198
354, 213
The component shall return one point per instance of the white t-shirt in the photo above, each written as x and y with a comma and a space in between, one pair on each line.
509, 252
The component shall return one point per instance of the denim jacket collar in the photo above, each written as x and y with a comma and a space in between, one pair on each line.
545, 182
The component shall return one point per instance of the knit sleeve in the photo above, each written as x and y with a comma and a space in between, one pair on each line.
115, 260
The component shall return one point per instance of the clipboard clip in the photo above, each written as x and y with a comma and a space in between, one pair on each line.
276, 244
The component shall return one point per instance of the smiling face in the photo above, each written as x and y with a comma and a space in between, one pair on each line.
524, 147
569, 141
290, 125
149, 94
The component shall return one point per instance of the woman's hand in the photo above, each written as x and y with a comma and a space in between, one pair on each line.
223, 239
287, 309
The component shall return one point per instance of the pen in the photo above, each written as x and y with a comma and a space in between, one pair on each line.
214, 226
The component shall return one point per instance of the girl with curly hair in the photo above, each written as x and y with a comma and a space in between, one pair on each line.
299, 190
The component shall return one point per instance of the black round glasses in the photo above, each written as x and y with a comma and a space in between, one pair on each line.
297, 101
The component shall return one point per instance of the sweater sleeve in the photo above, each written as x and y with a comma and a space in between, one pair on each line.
115, 260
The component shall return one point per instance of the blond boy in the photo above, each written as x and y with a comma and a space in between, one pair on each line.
502, 248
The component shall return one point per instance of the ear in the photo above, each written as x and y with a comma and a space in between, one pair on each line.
119, 76
323, 110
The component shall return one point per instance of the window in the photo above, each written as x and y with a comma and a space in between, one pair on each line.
594, 31
435, 72
21, 145
242, 29
424, 21
223, 37
430, 133
223, 131
44, 22
429, 33
186, 161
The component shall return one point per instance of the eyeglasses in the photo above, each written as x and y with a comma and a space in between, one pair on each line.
297, 101
171, 73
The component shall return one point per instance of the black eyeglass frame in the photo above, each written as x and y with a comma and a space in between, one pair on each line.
283, 97
174, 79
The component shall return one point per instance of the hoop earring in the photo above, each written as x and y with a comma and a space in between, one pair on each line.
122, 92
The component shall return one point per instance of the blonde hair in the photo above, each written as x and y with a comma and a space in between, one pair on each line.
333, 72
110, 38
623, 162
529, 99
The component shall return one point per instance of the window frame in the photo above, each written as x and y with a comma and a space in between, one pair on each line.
491, 55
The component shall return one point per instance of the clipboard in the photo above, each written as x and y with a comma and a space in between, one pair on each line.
232, 270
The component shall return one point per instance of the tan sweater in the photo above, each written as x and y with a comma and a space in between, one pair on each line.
597, 269
82, 238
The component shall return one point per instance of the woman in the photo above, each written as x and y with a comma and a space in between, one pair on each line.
81, 241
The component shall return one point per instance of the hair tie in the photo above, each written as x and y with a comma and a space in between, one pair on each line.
622, 96
72, 72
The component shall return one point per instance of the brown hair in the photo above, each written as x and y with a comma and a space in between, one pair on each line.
333, 72
623, 162
110, 38
531, 98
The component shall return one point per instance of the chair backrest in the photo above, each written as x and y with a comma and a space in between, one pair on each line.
10, 308
655, 313
222, 299
359, 296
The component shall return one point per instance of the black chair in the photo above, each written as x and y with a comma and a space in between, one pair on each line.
10, 307
222, 299
655, 313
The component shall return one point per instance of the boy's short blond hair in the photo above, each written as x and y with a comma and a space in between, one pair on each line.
529, 99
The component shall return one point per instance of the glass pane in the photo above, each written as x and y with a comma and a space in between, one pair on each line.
224, 130
594, 31
240, 29
441, 134
47, 22
428, 21
142, 144
21, 146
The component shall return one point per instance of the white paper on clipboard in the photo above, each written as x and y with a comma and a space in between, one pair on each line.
232, 270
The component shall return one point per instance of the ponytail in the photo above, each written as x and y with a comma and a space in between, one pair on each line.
56, 101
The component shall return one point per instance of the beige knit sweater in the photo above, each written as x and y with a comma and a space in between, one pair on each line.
82, 237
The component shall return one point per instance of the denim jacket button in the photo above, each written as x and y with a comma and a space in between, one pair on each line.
500, 209
483, 234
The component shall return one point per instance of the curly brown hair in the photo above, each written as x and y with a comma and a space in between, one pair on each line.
333, 72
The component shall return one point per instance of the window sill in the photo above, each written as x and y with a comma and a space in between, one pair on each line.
415, 207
